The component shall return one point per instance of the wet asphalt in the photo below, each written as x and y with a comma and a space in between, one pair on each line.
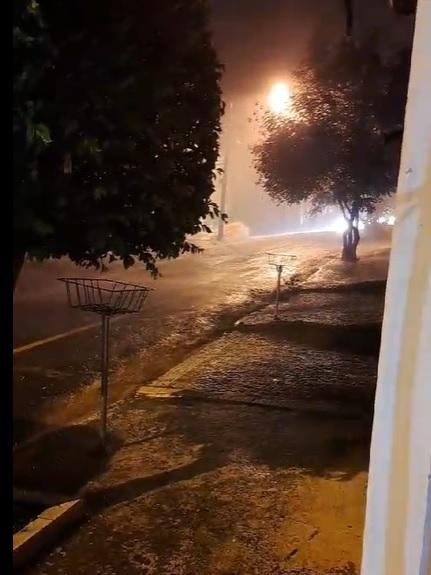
197, 296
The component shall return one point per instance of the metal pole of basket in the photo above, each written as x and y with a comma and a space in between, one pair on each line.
279, 262
279, 268
107, 298
104, 378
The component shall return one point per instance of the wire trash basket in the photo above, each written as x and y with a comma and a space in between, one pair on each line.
104, 296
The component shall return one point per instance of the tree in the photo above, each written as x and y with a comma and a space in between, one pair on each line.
401, 7
328, 148
117, 109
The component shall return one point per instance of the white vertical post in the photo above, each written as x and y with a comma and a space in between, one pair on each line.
398, 519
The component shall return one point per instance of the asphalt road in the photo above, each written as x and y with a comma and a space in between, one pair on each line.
56, 349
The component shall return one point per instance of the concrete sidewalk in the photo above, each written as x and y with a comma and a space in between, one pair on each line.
249, 457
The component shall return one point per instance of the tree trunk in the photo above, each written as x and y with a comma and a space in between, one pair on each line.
18, 261
351, 239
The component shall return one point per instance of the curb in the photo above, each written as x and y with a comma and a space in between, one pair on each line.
44, 529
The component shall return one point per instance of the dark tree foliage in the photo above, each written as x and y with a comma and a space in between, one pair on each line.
401, 7
328, 148
117, 109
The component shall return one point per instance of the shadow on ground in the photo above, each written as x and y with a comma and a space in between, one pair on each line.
363, 287
210, 436
23, 428
360, 339
60, 461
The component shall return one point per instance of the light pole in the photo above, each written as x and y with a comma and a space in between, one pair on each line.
223, 189
223, 186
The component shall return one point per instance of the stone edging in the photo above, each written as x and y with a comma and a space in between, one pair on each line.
44, 529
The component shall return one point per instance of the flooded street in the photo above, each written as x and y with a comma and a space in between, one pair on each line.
56, 349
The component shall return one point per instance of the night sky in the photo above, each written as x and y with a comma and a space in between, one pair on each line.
260, 42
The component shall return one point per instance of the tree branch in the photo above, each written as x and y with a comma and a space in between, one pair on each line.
343, 208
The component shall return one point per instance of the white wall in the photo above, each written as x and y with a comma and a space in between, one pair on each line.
398, 520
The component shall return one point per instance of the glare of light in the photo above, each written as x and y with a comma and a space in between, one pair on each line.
279, 98
339, 226
389, 220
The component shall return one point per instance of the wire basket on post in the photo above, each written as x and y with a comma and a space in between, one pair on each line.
279, 261
275, 259
106, 298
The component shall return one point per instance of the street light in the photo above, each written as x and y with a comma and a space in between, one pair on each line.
279, 98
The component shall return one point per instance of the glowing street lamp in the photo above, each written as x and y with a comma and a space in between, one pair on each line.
279, 98
339, 226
